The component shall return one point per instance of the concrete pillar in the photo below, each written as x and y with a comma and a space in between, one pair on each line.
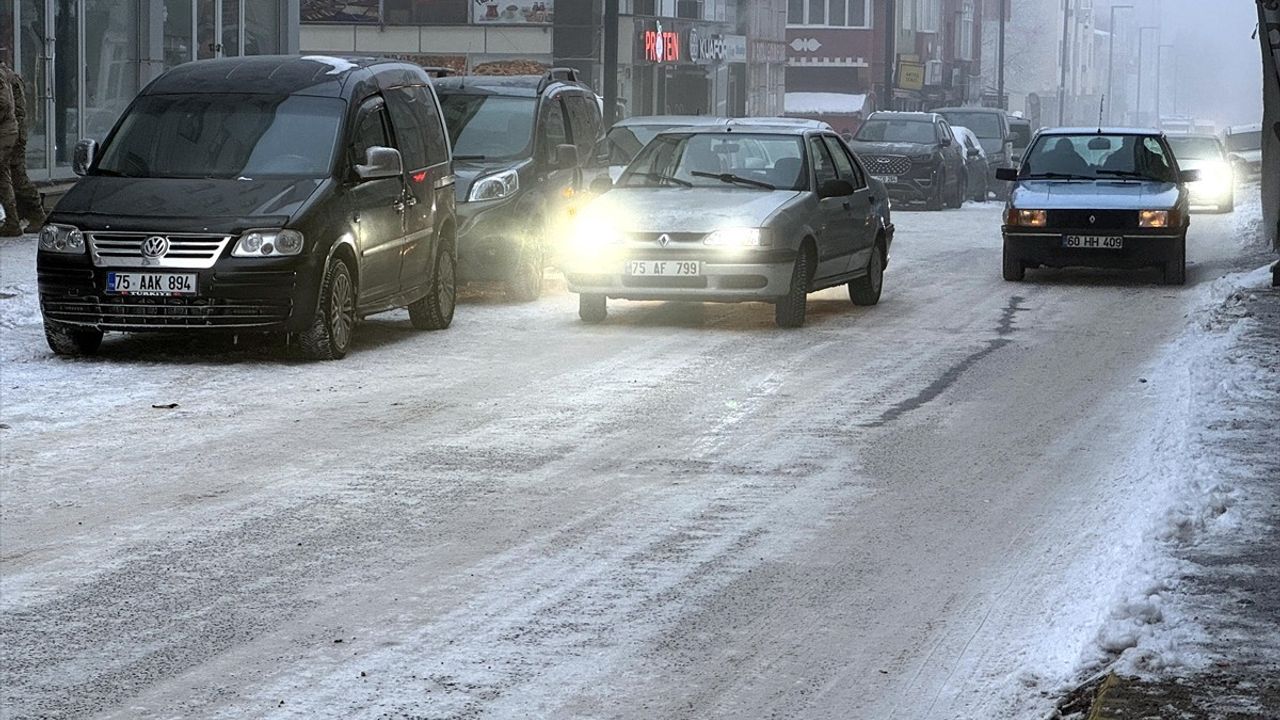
1269, 37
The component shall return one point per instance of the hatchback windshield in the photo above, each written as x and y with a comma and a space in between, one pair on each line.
1195, 148
984, 125
747, 161
209, 135
488, 126
903, 131
1240, 142
1105, 157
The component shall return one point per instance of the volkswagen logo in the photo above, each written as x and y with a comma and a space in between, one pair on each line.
155, 246
664, 239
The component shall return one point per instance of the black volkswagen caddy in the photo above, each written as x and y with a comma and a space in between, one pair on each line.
289, 195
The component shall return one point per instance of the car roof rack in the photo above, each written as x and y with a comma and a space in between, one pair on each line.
558, 74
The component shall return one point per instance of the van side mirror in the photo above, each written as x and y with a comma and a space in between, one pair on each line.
946, 141
1007, 174
601, 185
566, 156
973, 152
1189, 176
835, 188
85, 153
380, 162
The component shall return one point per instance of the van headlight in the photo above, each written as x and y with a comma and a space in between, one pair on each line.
1153, 218
61, 239
495, 187
268, 243
740, 237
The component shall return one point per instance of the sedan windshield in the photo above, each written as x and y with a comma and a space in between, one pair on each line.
1195, 148
1091, 157
488, 126
212, 135
626, 142
747, 162
919, 132
984, 125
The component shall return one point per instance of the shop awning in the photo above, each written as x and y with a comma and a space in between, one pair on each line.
823, 103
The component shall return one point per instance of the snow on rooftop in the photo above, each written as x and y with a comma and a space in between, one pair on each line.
824, 103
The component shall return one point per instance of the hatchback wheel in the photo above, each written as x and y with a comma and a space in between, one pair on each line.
329, 336
71, 340
435, 310
789, 311
1013, 269
1175, 269
593, 308
866, 289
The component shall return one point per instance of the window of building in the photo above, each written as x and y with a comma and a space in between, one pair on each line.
929, 17
964, 32
829, 13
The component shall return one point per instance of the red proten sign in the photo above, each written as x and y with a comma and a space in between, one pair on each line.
660, 46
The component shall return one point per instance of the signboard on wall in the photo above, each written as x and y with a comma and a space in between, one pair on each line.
660, 46
513, 12
910, 76
706, 48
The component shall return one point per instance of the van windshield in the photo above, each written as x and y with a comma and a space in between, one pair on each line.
488, 126
216, 135
984, 125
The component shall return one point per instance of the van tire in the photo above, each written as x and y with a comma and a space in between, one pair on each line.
329, 337
434, 311
71, 341
525, 285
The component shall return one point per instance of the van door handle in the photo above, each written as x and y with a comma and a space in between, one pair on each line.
398, 205
847, 206
411, 201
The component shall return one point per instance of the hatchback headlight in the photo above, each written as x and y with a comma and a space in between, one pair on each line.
268, 243
495, 187
61, 239
1153, 218
740, 237
1027, 218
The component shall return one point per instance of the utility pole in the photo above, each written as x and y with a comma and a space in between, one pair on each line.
610, 62
1111, 62
1137, 110
1063, 61
890, 53
1160, 83
1004, 19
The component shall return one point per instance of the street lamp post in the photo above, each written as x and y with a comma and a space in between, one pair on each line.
1160, 83
1064, 61
890, 53
1111, 61
1138, 108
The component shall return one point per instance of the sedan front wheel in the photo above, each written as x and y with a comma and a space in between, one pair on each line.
790, 310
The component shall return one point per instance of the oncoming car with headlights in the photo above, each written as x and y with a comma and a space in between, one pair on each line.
1097, 198
731, 214
259, 194
1216, 187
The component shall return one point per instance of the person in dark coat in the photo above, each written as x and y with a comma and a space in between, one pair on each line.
8, 143
27, 204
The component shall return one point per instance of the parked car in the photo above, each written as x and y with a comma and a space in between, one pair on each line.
991, 125
523, 146
915, 155
1020, 137
257, 194
1098, 198
628, 137
1216, 186
730, 214
975, 163
1244, 149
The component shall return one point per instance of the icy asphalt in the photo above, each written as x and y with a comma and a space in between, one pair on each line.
925, 509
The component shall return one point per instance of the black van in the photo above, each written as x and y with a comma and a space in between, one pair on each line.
523, 146
258, 194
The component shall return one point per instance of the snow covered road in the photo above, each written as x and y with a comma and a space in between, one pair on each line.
923, 509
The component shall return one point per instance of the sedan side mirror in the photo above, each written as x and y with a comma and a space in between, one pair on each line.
835, 188
601, 185
380, 162
1188, 176
566, 156
1007, 174
85, 153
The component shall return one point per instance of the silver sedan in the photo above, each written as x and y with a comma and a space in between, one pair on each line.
731, 214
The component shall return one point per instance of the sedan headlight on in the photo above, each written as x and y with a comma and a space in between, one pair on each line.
1216, 178
495, 187
1027, 218
61, 239
268, 243
741, 237
1153, 218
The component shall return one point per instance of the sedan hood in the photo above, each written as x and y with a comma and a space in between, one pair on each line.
206, 202
691, 209
890, 148
1096, 194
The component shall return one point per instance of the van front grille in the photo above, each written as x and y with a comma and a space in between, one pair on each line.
187, 251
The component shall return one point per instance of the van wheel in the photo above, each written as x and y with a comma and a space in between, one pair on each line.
1013, 269
790, 309
329, 336
866, 289
526, 284
71, 341
434, 311
593, 308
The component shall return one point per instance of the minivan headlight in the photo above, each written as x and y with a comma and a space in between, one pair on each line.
1153, 218
268, 243
61, 239
495, 187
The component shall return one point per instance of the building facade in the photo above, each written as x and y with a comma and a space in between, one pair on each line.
84, 60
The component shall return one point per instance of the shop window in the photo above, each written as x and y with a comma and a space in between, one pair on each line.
425, 12
645, 7
830, 13
689, 9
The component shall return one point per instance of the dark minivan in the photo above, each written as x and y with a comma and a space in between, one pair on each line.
288, 195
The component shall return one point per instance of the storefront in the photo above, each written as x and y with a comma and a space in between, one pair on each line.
84, 60
684, 68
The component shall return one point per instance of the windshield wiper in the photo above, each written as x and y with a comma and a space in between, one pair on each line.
1128, 174
731, 178
665, 178
1057, 176
470, 157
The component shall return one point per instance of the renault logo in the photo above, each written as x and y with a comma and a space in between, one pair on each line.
155, 247
1093, 219
664, 239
